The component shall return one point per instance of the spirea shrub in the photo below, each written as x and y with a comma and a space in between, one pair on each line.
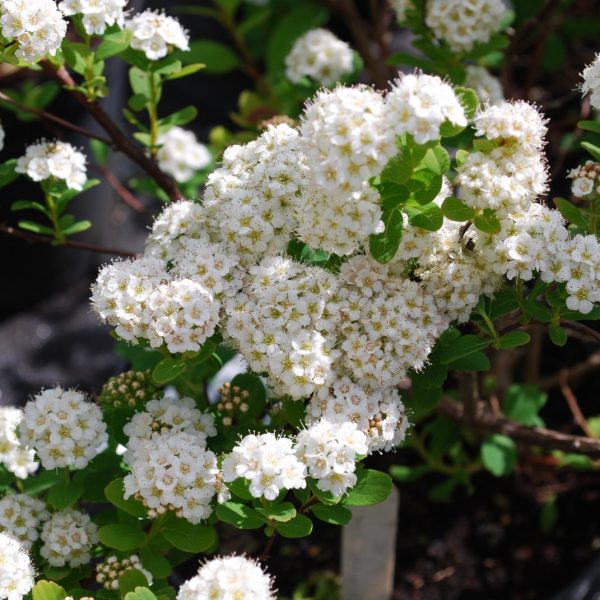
362, 249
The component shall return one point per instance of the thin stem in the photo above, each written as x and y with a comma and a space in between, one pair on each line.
121, 190
54, 219
153, 115
46, 239
571, 399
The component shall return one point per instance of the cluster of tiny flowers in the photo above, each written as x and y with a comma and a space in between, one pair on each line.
248, 199
488, 88
400, 8
320, 55
389, 323
180, 154
37, 26
96, 14
232, 403
280, 323
68, 538
57, 159
166, 415
329, 450
378, 414
464, 23
586, 179
268, 463
16, 570
173, 471
420, 104
64, 429
591, 82
109, 570
21, 516
512, 173
229, 578
130, 390
17, 459
154, 33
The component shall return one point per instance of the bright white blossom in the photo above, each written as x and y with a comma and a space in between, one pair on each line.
110, 569
21, 516
488, 87
268, 463
18, 459
68, 537
320, 55
174, 471
155, 33
228, 578
464, 23
64, 428
586, 179
591, 82
44, 160
16, 570
37, 26
96, 14
180, 154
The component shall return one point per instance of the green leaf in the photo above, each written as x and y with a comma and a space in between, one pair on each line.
186, 71
189, 538
487, 221
77, 56
239, 515
428, 216
499, 454
138, 102
405, 473
121, 536
167, 370
63, 495
298, 527
372, 487
461, 347
253, 388
239, 488
522, 403
77, 227
217, 57
140, 593
589, 126
156, 563
477, 361
383, 246
570, 212
141, 82
593, 150
48, 590
181, 117
437, 160
7, 172
130, 580
558, 335
398, 169
112, 44
468, 100
115, 492
424, 186
28, 205
282, 513
35, 227
100, 151
514, 339
456, 210
334, 515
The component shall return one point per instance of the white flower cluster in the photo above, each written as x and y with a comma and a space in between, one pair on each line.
379, 414
591, 82
268, 463
320, 55
68, 538
248, 199
488, 87
55, 159
464, 23
16, 570
329, 450
174, 471
400, 8
586, 179
64, 429
17, 459
154, 33
180, 154
281, 321
109, 570
166, 415
229, 578
37, 26
96, 14
21, 516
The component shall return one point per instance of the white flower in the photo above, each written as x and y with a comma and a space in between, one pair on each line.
180, 154
21, 516
68, 538
488, 87
96, 14
44, 160
16, 571
63, 428
154, 33
229, 578
37, 27
109, 570
320, 55
591, 82
16, 458
585, 178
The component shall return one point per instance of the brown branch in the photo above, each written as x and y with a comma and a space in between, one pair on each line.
591, 363
469, 392
582, 329
42, 114
541, 437
571, 399
121, 190
120, 140
46, 239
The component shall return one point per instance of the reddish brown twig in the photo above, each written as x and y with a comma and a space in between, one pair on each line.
121, 190
591, 363
571, 399
46, 239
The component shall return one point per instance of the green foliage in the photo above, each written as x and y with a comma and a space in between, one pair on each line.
372, 487
523, 403
48, 590
499, 454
